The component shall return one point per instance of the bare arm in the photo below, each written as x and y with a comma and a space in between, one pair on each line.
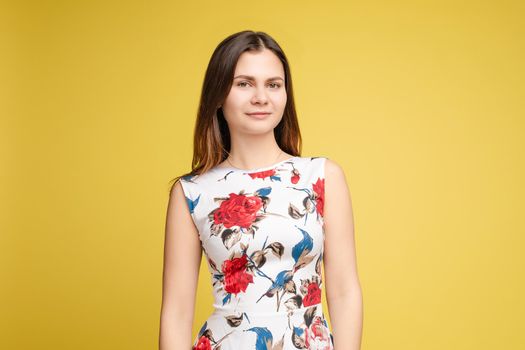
343, 289
182, 257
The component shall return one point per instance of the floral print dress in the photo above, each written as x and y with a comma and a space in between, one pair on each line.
262, 234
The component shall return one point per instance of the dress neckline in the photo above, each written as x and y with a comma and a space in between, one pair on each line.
232, 168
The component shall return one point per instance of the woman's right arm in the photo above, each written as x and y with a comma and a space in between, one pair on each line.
182, 258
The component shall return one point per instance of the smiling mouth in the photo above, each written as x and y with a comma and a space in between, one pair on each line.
258, 113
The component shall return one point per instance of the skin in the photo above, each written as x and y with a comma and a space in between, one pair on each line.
343, 289
253, 145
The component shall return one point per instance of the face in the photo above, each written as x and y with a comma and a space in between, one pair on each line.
258, 86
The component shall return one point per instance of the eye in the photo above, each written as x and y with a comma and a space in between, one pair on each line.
243, 84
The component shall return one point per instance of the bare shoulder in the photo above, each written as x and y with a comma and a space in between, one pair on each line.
177, 201
176, 190
334, 173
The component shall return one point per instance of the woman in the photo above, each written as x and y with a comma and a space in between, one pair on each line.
262, 215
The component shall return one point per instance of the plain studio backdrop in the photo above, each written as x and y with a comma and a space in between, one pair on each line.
421, 103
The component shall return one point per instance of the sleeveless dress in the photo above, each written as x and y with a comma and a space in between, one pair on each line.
262, 234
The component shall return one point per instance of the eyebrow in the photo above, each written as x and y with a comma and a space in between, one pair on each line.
249, 77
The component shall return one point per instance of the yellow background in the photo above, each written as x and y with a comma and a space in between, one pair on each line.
421, 102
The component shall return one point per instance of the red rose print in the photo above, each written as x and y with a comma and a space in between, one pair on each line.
236, 279
318, 188
262, 174
317, 336
313, 296
238, 210
203, 344
295, 178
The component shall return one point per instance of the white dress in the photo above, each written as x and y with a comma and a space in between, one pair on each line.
262, 233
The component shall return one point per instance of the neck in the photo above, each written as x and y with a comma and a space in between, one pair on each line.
255, 151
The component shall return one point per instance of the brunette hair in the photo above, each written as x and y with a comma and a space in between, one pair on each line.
211, 138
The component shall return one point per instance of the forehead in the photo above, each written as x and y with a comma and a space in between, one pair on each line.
259, 64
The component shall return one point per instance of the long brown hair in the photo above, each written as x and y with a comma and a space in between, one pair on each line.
211, 138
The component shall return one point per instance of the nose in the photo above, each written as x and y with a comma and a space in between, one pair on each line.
260, 96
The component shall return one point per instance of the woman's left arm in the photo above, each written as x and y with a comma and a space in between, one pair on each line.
343, 289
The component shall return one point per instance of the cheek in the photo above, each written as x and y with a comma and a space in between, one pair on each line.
237, 97
279, 100
233, 105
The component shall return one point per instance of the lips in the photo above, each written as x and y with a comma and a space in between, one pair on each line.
259, 115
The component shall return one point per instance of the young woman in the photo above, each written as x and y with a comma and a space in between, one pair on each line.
263, 217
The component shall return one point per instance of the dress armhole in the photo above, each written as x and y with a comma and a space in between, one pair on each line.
190, 199
323, 167
323, 177
323, 170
